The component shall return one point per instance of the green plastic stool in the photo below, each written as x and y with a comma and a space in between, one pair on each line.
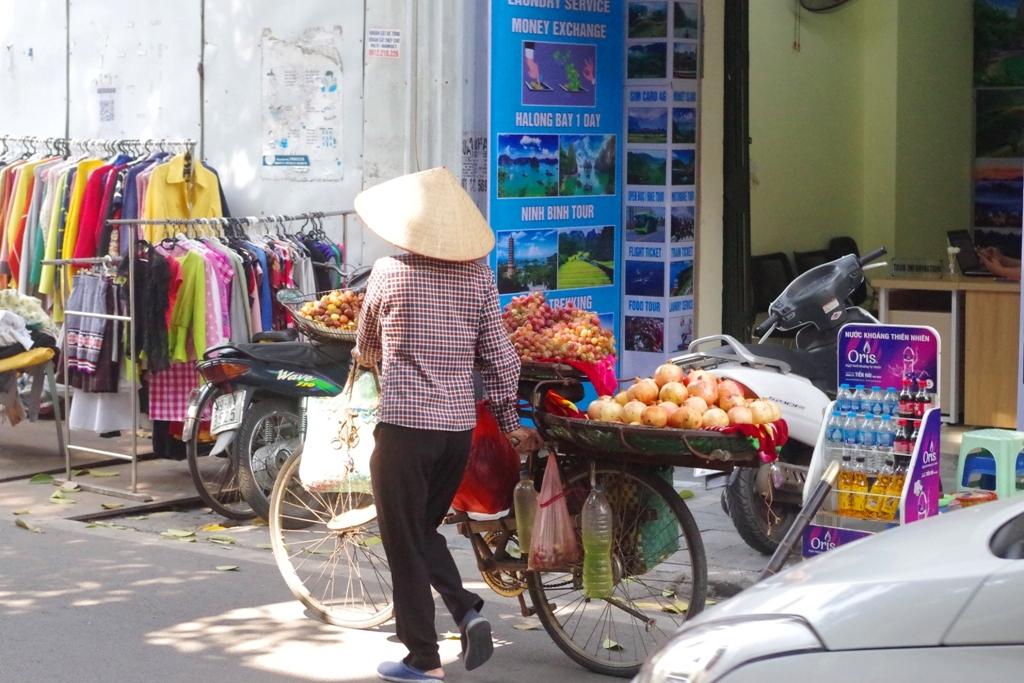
998, 462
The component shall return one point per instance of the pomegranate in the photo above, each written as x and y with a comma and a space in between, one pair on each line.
654, 416
728, 387
740, 415
761, 412
632, 411
731, 401
697, 404
715, 417
645, 391
668, 372
684, 418
674, 392
705, 389
594, 409
610, 412
669, 406
622, 398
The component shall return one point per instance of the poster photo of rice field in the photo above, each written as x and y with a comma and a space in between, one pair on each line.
527, 166
646, 61
998, 43
647, 125
684, 125
684, 60
586, 257
586, 165
644, 334
680, 278
683, 167
646, 168
527, 260
648, 19
683, 218
999, 122
645, 278
998, 187
645, 224
685, 20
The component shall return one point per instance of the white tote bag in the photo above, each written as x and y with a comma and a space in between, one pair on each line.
339, 436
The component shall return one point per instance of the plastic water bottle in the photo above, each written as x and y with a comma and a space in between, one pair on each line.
892, 401
885, 435
877, 402
524, 502
851, 434
867, 434
862, 400
843, 398
597, 545
834, 435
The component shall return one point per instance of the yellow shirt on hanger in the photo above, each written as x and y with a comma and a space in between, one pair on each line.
85, 169
171, 195
47, 274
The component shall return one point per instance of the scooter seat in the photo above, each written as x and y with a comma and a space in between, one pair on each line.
296, 354
276, 336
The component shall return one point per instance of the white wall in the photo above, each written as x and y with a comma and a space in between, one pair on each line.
32, 67
232, 114
148, 54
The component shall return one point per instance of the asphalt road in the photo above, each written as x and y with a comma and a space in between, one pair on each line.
103, 604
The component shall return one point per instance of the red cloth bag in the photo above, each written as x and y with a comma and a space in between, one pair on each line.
491, 471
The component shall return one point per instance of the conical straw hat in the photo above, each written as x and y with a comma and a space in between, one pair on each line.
427, 213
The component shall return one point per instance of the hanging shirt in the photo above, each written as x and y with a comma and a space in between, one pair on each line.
171, 195
82, 177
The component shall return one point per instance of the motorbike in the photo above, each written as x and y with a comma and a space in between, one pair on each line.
254, 394
763, 502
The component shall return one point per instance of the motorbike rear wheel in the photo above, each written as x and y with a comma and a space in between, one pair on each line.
268, 435
216, 477
760, 523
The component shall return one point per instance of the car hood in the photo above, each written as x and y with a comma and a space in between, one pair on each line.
901, 588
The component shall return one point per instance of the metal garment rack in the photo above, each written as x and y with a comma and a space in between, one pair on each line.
133, 457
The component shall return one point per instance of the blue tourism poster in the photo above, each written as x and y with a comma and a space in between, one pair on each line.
555, 144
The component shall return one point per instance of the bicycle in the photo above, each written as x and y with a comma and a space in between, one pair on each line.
328, 546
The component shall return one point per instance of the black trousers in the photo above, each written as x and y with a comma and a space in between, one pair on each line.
415, 474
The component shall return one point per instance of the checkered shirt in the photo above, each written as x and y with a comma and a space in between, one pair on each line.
429, 322
169, 391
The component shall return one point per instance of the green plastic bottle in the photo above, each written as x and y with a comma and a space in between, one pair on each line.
598, 581
524, 503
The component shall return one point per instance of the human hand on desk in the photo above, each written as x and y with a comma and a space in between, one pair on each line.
998, 264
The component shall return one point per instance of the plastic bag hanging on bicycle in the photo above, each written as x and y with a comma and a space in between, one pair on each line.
554, 545
339, 436
492, 469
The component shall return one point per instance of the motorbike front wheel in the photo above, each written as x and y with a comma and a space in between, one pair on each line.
267, 437
760, 523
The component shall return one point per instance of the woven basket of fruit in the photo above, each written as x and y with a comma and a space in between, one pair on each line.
327, 316
676, 418
652, 445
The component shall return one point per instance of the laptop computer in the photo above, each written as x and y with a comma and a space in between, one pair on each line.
967, 259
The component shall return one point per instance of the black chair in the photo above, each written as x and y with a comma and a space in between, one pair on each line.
805, 260
769, 273
841, 246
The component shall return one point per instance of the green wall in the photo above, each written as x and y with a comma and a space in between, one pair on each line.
867, 130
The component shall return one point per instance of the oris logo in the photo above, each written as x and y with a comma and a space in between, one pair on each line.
822, 544
931, 455
863, 357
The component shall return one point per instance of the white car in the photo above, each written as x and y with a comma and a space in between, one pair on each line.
937, 600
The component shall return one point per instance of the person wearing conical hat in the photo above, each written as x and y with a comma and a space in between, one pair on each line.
429, 318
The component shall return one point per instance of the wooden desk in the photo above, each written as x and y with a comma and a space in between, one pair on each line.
986, 362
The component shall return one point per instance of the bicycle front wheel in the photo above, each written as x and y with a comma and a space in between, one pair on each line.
328, 550
659, 568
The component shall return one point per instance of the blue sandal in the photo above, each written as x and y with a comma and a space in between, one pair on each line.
477, 646
400, 672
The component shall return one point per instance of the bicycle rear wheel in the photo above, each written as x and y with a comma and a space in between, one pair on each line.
659, 569
328, 550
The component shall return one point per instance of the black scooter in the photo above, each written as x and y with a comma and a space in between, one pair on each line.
256, 393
